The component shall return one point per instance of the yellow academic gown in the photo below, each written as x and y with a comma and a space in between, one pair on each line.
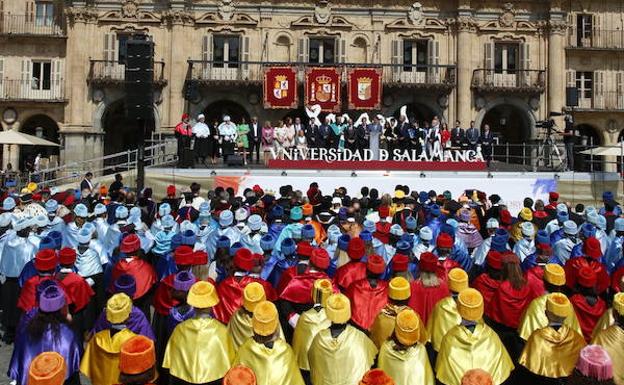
462, 350
552, 353
199, 351
534, 318
275, 366
309, 324
100, 361
383, 327
612, 339
443, 318
406, 367
240, 328
342, 360
604, 322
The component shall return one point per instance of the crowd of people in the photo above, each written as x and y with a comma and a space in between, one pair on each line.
298, 287
199, 142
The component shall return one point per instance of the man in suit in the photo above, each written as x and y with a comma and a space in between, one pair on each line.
472, 136
311, 133
254, 137
86, 183
322, 138
458, 135
487, 142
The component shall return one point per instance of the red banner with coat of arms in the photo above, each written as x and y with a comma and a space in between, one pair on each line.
280, 87
322, 87
364, 88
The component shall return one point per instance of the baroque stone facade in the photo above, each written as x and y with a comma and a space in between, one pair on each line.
507, 64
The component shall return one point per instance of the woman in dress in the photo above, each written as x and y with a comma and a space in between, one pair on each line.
301, 143
268, 138
445, 139
290, 133
242, 141
281, 140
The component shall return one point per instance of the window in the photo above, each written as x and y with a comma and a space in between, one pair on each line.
44, 14
584, 25
41, 75
322, 51
505, 58
415, 55
122, 52
226, 51
585, 84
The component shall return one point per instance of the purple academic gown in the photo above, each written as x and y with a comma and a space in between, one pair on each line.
137, 323
26, 349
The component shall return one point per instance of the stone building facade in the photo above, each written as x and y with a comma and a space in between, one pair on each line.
505, 63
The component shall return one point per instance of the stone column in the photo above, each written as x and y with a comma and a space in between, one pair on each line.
465, 28
556, 65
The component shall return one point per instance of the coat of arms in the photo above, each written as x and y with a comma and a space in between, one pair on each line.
280, 87
325, 89
364, 90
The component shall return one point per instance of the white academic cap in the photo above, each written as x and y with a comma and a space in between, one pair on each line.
382, 120
226, 118
358, 122
403, 112
346, 117
201, 116
313, 112
331, 118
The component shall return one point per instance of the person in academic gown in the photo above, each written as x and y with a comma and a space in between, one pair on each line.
368, 295
78, 291
430, 287
471, 344
48, 368
100, 362
589, 307
488, 282
45, 263
355, 269
198, 338
444, 315
612, 339
47, 330
398, 296
340, 354
266, 353
404, 357
137, 361
551, 353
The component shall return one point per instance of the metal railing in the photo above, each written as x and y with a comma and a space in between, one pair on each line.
113, 71
610, 100
33, 89
509, 80
253, 71
598, 39
158, 154
30, 25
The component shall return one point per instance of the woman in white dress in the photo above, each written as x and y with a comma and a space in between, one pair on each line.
281, 139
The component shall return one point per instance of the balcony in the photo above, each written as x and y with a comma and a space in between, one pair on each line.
29, 25
32, 91
516, 81
105, 72
599, 39
252, 73
610, 100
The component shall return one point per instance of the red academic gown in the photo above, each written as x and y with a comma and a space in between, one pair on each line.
230, 292
588, 315
77, 290
383, 231
573, 266
423, 299
487, 287
28, 295
142, 271
350, 272
299, 288
535, 280
508, 304
449, 264
366, 301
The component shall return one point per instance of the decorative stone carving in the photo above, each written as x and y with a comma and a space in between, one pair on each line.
612, 126
508, 18
415, 13
322, 12
479, 102
465, 24
226, 10
129, 9
81, 15
558, 27
177, 17
443, 101
534, 103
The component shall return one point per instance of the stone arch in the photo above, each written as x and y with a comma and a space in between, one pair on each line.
591, 136
283, 47
43, 126
359, 49
102, 106
121, 133
400, 99
217, 109
519, 106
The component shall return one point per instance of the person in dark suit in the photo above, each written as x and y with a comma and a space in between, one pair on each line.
487, 142
322, 137
472, 136
311, 133
458, 135
86, 183
254, 137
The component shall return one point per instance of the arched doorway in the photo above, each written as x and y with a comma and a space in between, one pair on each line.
216, 111
589, 138
416, 112
512, 127
46, 128
120, 132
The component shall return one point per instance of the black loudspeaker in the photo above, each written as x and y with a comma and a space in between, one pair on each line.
572, 97
139, 78
235, 160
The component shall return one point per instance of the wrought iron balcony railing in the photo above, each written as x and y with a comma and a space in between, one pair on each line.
598, 39
609, 100
113, 72
50, 91
27, 25
530, 81
441, 76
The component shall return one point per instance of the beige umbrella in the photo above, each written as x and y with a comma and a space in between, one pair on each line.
22, 139
615, 150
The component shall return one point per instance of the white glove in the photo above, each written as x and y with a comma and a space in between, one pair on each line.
90, 282
293, 320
